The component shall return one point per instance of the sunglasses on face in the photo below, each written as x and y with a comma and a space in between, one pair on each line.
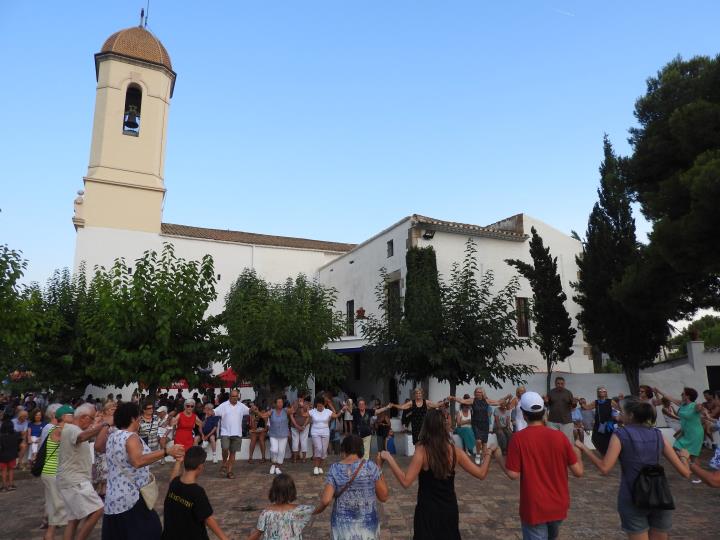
189, 407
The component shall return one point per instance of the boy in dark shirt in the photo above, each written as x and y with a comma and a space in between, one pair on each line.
187, 508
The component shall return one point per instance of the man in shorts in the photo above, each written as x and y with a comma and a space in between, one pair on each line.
231, 413
74, 473
560, 404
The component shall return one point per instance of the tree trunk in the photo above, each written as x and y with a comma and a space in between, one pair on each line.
549, 377
453, 389
632, 375
597, 359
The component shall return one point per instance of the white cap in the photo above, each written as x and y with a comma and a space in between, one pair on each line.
532, 402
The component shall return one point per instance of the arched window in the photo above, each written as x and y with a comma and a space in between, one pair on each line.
133, 106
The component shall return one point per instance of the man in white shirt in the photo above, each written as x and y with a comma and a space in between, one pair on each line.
231, 415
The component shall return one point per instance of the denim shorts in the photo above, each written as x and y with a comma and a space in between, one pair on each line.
541, 531
636, 520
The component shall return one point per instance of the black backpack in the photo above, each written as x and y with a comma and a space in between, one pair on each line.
650, 490
41, 456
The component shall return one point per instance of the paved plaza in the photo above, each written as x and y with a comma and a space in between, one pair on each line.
488, 509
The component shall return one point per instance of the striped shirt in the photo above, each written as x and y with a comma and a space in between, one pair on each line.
52, 453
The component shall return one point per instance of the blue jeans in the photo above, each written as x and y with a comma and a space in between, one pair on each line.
541, 531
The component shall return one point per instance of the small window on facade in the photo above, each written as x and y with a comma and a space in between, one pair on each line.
350, 317
390, 248
357, 363
523, 316
131, 115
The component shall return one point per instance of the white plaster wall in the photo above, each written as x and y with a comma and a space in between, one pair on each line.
358, 280
101, 246
356, 274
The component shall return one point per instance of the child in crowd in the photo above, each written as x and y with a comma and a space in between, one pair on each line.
9, 448
188, 513
390, 442
282, 519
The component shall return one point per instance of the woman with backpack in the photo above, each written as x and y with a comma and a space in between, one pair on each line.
637, 445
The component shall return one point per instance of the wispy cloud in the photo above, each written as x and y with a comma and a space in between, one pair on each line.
563, 12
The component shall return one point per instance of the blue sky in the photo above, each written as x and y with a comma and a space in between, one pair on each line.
334, 119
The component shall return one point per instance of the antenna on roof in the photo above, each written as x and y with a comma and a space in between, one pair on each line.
147, 12
142, 16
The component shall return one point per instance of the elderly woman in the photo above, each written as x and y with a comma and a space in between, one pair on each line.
354, 484
417, 409
127, 516
690, 414
184, 424
481, 413
99, 470
463, 421
149, 425
21, 424
210, 431
604, 424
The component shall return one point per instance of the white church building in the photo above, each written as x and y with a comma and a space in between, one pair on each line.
119, 213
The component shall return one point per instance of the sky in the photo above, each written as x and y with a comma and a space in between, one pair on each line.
334, 119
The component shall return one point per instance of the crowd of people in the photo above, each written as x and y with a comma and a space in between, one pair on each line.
94, 457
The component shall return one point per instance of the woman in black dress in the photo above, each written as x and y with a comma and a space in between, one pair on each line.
417, 409
604, 424
436, 512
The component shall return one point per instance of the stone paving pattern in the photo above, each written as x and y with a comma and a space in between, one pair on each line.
488, 509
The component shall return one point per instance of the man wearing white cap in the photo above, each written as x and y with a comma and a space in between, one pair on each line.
543, 455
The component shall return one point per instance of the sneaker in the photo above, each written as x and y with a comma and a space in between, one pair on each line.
478, 460
272, 469
277, 470
696, 480
320, 471
315, 471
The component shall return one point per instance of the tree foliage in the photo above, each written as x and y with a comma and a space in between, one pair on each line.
14, 323
706, 328
631, 333
674, 172
554, 333
277, 334
150, 321
457, 332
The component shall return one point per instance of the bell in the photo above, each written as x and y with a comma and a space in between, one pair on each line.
131, 118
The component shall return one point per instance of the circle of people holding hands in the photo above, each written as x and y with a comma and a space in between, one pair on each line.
94, 459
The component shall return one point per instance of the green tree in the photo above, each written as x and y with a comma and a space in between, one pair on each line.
14, 322
277, 334
633, 335
149, 324
57, 356
674, 172
467, 330
706, 328
554, 333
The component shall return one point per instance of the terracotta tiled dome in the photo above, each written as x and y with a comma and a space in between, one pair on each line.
137, 42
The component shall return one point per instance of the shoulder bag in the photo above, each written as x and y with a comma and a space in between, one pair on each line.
650, 490
349, 482
41, 456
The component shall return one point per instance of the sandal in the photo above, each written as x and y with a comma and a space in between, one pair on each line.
11, 487
230, 475
251, 461
263, 460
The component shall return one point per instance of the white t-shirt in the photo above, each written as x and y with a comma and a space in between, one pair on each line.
75, 459
320, 422
231, 417
520, 422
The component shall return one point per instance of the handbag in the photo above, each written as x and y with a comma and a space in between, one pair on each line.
41, 456
650, 490
149, 492
349, 482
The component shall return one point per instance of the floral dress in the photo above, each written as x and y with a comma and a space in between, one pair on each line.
354, 514
286, 525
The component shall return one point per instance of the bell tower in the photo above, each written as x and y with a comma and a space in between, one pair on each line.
124, 186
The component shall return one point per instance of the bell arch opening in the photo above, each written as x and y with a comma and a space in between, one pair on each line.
132, 110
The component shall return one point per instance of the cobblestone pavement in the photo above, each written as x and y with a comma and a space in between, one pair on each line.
488, 509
